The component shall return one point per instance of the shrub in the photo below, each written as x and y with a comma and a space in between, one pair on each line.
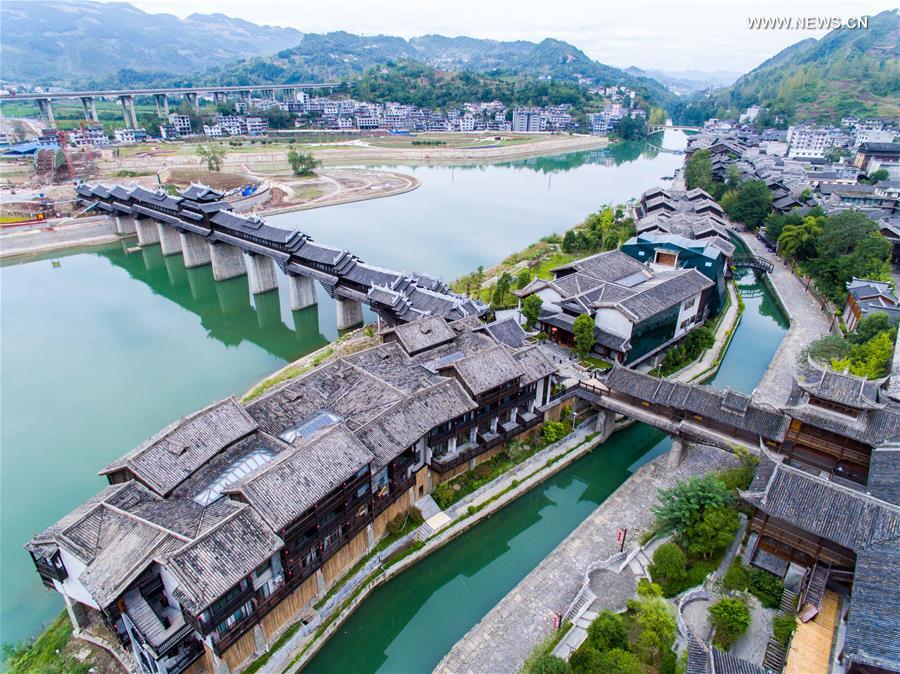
783, 627
647, 589
736, 578
415, 515
550, 664
586, 660
619, 661
741, 476
714, 532
483, 470
730, 618
683, 505
607, 631
395, 526
669, 565
553, 431
657, 628
766, 587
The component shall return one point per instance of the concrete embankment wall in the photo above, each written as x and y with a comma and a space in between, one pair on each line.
34, 241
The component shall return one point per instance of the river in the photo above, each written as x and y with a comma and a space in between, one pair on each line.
101, 348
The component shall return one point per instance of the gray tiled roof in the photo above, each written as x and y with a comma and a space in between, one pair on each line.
488, 369
873, 623
670, 289
612, 265
423, 334
536, 363
288, 486
709, 403
410, 419
842, 515
172, 455
507, 331
217, 561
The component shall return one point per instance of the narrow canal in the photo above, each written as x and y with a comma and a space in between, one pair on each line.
408, 624
101, 348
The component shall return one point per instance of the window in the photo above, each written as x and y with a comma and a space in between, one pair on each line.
362, 491
666, 259
689, 303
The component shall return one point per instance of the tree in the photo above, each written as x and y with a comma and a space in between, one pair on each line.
523, 279
730, 618
619, 661
879, 175
531, 310
657, 628
826, 349
799, 241
669, 566
302, 163
683, 505
584, 334
213, 154
714, 532
751, 203
550, 664
501, 289
869, 326
698, 171
607, 631
570, 242
871, 359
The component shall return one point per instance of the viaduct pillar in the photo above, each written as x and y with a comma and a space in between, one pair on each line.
261, 273
303, 292
90, 109
46, 113
218, 97
193, 100
162, 105
227, 261
195, 250
127, 102
169, 240
349, 313
147, 232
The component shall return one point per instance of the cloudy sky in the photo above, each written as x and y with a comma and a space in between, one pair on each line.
703, 35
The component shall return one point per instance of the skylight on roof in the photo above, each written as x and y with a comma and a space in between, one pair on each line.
309, 426
232, 474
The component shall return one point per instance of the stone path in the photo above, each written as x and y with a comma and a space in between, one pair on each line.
502, 640
723, 333
808, 322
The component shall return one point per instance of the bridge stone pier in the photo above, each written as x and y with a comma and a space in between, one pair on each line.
169, 240
195, 250
303, 292
605, 424
261, 273
147, 231
90, 110
676, 452
128, 111
227, 261
162, 105
349, 313
193, 100
46, 113
125, 224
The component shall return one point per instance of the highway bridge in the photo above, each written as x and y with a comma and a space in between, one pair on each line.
199, 225
160, 94
656, 128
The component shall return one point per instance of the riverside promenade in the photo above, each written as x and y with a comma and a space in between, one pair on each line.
502, 640
808, 323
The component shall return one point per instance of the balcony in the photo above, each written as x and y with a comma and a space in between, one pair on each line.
486, 441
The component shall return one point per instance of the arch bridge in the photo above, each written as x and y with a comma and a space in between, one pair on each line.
752, 262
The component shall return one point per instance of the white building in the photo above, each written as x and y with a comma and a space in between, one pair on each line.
526, 120
256, 125
88, 135
865, 135
214, 131
130, 136
749, 116
808, 142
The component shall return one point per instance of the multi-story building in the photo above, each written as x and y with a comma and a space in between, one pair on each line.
130, 136
809, 142
214, 131
168, 132
88, 135
216, 533
256, 126
526, 120
637, 309
182, 124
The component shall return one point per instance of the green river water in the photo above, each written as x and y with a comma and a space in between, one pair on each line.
100, 348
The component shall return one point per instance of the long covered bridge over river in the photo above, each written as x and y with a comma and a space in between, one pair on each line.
199, 225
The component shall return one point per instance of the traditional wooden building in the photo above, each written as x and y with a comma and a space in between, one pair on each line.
216, 533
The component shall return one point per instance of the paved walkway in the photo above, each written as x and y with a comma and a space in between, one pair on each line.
808, 322
723, 334
502, 640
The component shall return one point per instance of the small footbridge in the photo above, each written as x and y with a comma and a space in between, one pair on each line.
752, 262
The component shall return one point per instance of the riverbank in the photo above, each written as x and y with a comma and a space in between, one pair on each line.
93, 231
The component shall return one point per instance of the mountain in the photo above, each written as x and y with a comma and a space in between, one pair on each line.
341, 55
63, 42
846, 72
684, 82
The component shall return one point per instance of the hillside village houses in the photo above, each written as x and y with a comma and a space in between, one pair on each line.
217, 532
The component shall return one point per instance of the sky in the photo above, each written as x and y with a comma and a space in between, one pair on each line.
651, 34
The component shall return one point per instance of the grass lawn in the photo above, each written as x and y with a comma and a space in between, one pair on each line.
592, 361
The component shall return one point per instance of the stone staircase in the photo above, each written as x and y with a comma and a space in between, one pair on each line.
428, 507
776, 654
434, 517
